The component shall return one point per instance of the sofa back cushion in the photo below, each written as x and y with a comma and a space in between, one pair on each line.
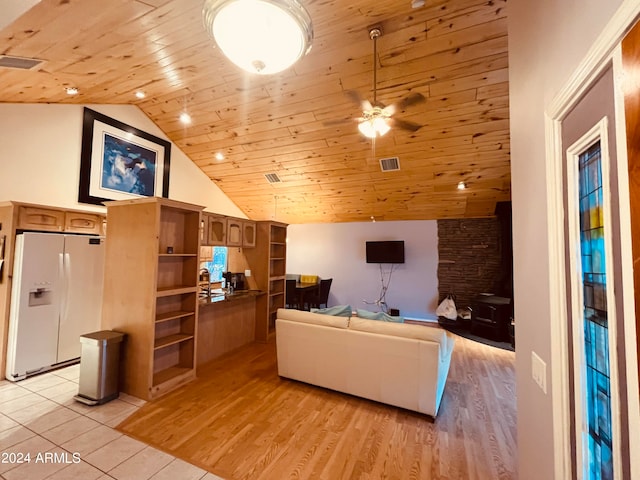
313, 318
381, 316
338, 310
405, 330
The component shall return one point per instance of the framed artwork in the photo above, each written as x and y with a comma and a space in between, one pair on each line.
120, 162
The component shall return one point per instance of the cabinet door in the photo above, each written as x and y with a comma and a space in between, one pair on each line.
234, 232
204, 229
216, 230
31, 218
83, 222
248, 234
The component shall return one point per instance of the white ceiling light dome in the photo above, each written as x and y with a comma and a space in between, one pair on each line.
259, 36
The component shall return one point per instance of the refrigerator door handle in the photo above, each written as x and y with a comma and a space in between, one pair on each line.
62, 281
66, 292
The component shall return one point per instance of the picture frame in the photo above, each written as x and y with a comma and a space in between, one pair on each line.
120, 162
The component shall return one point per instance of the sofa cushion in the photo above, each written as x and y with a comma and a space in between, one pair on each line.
381, 316
313, 318
398, 329
338, 310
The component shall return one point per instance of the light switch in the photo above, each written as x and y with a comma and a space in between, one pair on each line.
539, 371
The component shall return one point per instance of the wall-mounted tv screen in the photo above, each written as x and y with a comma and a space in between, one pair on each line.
385, 252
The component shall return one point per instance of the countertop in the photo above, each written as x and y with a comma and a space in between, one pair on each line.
218, 296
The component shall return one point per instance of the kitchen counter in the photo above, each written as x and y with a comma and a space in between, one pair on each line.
226, 321
219, 295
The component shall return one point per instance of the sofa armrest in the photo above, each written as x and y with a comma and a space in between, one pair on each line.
311, 353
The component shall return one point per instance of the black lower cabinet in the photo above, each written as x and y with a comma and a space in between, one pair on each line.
491, 317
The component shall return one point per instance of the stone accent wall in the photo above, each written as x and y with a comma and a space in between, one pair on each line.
470, 258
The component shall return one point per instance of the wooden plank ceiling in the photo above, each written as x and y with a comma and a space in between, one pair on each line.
454, 52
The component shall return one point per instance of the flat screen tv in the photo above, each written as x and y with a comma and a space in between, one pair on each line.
385, 252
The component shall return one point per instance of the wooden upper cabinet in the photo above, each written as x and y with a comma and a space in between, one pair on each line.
55, 220
77, 222
216, 230
248, 233
35, 218
219, 230
204, 229
234, 232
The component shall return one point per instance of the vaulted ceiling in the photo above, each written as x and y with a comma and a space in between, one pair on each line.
454, 52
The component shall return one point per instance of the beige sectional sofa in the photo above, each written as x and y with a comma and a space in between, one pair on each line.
394, 363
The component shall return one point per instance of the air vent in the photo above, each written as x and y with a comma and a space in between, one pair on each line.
272, 177
18, 62
390, 164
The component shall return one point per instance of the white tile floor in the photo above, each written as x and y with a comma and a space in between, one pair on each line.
64, 439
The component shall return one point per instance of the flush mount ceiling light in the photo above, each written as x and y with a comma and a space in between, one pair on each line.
259, 36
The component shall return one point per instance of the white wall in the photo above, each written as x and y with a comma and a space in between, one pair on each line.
338, 251
12, 9
547, 41
40, 157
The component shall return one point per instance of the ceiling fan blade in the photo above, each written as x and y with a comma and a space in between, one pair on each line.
411, 99
356, 98
403, 124
339, 121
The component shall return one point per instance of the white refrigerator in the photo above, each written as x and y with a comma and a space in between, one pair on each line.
56, 297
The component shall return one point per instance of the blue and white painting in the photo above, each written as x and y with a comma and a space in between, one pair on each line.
127, 167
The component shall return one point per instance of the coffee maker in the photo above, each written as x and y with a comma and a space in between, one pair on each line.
235, 281
204, 280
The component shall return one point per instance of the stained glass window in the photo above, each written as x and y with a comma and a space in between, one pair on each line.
596, 347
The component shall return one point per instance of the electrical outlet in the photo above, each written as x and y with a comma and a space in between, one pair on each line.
539, 371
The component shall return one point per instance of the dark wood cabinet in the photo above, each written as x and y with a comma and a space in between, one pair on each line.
491, 317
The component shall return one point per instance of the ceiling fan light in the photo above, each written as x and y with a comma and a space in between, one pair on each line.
374, 127
381, 125
259, 36
367, 128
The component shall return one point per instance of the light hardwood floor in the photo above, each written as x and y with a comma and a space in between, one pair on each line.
240, 420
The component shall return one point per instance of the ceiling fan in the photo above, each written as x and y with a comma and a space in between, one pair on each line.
377, 118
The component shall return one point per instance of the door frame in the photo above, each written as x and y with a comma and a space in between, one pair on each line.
599, 132
605, 51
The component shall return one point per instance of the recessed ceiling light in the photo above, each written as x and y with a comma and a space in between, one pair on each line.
219, 156
462, 185
71, 90
185, 118
140, 94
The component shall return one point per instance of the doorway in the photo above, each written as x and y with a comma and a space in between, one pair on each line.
598, 414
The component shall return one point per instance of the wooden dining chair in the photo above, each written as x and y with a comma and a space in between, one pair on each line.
291, 295
322, 296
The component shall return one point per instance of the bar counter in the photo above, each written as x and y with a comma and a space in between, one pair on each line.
218, 296
225, 322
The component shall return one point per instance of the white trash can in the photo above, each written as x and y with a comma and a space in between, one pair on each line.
99, 367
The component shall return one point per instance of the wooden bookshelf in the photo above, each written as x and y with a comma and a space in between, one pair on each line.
151, 291
268, 263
